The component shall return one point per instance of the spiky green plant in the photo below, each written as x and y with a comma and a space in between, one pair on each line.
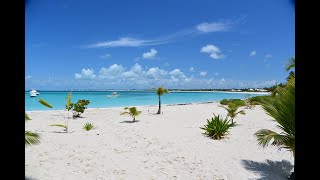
160, 91
282, 109
88, 126
132, 112
30, 137
217, 127
233, 111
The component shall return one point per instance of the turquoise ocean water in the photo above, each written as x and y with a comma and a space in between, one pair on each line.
99, 99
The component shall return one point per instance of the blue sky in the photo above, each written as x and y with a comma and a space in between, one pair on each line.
117, 44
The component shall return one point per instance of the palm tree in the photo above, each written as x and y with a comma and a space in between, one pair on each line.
291, 64
282, 109
233, 111
160, 91
30, 137
132, 112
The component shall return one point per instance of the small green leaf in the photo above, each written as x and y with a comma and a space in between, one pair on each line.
43, 102
59, 125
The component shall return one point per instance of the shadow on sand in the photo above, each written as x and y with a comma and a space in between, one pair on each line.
129, 121
270, 169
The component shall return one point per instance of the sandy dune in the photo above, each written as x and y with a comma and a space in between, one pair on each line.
166, 146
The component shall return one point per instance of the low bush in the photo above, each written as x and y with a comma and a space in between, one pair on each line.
237, 102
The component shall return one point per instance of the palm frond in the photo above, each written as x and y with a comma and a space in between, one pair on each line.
282, 109
123, 113
26, 117
291, 64
43, 102
60, 125
31, 138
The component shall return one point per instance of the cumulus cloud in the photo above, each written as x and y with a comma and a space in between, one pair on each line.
111, 72
191, 69
27, 77
150, 55
137, 76
213, 50
85, 74
253, 53
203, 73
214, 27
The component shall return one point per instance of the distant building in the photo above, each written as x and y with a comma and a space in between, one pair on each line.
233, 90
238, 90
251, 89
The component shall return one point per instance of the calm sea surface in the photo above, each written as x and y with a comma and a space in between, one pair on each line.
100, 99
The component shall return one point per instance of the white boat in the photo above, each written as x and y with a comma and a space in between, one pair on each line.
113, 95
34, 93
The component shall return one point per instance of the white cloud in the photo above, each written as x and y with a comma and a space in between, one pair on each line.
199, 29
166, 64
216, 74
85, 74
213, 50
223, 80
105, 56
203, 73
125, 42
156, 73
191, 69
27, 77
111, 72
150, 55
268, 56
214, 27
253, 53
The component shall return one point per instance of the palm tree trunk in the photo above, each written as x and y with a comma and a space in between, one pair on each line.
159, 110
134, 119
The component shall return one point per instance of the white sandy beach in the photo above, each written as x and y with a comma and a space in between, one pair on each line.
166, 146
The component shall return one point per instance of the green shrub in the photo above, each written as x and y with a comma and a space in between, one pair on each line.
88, 126
237, 102
224, 101
217, 127
78, 108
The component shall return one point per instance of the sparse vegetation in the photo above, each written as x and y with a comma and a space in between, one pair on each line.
217, 127
132, 112
88, 126
65, 125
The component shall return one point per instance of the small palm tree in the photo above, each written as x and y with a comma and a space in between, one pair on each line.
160, 91
282, 109
132, 112
30, 137
233, 111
